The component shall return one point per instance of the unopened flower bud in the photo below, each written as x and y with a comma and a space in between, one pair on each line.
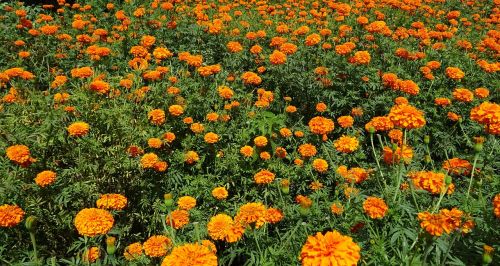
168, 200
31, 223
304, 211
427, 139
110, 245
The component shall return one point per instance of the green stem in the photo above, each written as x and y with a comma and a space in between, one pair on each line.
256, 241
472, 175
378, 162
400, 168
449, 248
33, 241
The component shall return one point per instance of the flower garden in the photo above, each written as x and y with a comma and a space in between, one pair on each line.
203, 132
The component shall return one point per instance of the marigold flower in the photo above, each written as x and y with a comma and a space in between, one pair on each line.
277, 58
220, 193
463, 95
10, 215
320, 165
260, 141
112, 202
91, 254
45, 178
405, 153
496, 206
93, 222
148, 160
454, 73
337, 208
486, 113
177, 219
157, 246
442, 101
186, 203
190, 254
481, 92
380, 123
273, 215
361, 58
78, 129
253, 213
375, 207
320, 125
133, 251
430, 181
346, 144
225, 92
246, 151
222, 227
176, 110
406, 116
312, 39
19, 154
211, 138
251, 78
457, 166
191, 157
264, 177
331, 248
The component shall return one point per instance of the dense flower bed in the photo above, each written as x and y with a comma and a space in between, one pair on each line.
168, 132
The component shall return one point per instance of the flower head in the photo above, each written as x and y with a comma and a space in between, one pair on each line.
93, 222
331, 248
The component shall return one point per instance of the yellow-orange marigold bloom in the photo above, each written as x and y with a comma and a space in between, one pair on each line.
176, 110
337, 208
332, 248
428, 180
246, 151
277, 58
253, 213
222, 227
234, 47
432, 223
191, 157
100, 86
260, 141
406, 116
45, 178
112, 202
486, 113
362, 57
220, 193
312, 39
177, 219
186, 203
454, 73
78, 129
225, 92
321, 125
211, 138
320, 165
442, 101
264, 177
190, 254
156, 116
482, 92
496, 206
157, 246
457, 166
463, 95
148, 160
93, 222
375, 207
380, 123
10, 215
345, 121
133, 251
307, 150
346, 144
19, 154
91, 254
251, 78
391, 157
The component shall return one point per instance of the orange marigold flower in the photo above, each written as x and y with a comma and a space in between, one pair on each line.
320, 165
19, 154
375, 207
346, 144
10, 215
91, 254
225, 92
337, 208
251, 78
264, 177
186, 203
133, 251
191, 157
430, 181
406, 116
220, 193
486, 113
320, 125
176, 110
246, 151
432, 223
93, 222
380, 123
157, 246
345, 121
149, 160
273, 215
260, 141
391, 157
463, 95
253, 213
457, 166
482, 92
197, 128
277, 58
454, 73
177, 219
307, 150
496, 206
211, 138
361, 58
154, 143
112, 202
442, 101
331, 248
222, 227
156, 116
45, 178
190, 254
312, 39
78, 129
234, 47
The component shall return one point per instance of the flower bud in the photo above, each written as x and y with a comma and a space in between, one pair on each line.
478, 147
31, 223
110, 245
448, 180
427, 158
304, 211
371, 130
427, 139
168, 200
